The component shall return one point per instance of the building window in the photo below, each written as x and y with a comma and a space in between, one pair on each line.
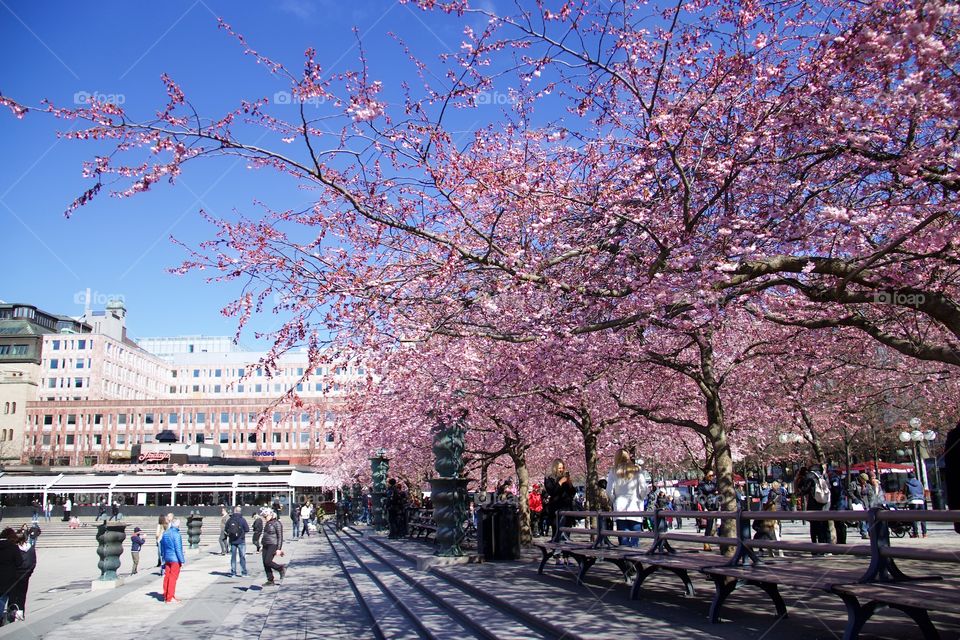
147, 437
72, 418
97, 439
196, 373
77, 383
300, 386
196, 388
329, 437
201, 418
48, 418
217, 373
276, 438
89, 461
4, 349
172, 418
79, 363
224, 417
148, 418
122, 418
224, 437
239, 388
277, 417
56, 345
54, 363
121, 438
97, 418
216, 388
19, 350
81, 344
71, 439
46, 440
258, 388
304, 437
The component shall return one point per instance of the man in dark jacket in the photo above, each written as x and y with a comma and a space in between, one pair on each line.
916, 501
236, 529
272, 542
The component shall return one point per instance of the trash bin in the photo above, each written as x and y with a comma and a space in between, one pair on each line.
498, 532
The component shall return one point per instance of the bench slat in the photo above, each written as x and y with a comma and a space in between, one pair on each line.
935, 595
812, 547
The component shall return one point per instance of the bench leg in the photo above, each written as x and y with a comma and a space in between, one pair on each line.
547, 554
922, 618
685, 577
725, 586
857, 616
774, 592
642, 575
585, 565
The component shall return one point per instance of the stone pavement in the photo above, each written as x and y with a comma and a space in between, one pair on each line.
359, 585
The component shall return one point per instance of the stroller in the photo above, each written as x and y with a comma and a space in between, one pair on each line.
899, 528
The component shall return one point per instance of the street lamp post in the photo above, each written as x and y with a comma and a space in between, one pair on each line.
915, 437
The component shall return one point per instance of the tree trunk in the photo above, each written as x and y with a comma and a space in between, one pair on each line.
590, 458
519, 458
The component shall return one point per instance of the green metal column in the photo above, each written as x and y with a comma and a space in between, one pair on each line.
449, 490
379, 467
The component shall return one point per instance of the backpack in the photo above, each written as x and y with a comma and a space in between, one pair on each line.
821, 489
233, 529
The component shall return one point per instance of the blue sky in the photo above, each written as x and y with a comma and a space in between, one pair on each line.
121, 247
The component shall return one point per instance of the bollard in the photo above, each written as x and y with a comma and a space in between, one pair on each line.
194, 524
110, 538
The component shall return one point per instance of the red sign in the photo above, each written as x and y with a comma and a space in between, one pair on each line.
154, 456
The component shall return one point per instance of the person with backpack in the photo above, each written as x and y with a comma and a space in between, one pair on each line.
236, 529
136, 543
816, 489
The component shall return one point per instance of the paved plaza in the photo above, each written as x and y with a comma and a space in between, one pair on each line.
357, 584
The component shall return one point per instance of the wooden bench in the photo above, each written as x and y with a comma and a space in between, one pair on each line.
914, 597
420, 523
869, 572
663, 556
573, 540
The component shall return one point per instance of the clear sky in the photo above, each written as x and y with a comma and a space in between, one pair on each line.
61, 50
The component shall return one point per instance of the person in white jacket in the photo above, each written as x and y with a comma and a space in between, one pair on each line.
626, 487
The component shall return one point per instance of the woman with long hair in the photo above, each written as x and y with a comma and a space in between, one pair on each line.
560, 490
163, 523
626, 487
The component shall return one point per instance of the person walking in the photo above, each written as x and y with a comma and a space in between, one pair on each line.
171, 550
816, 489
561, 491
35, 507
295, 521
48, 510
916, 501
224, 542
626, 487
258, 528
67, 508
115, 511
236, 529
708, 499
102, 509
272, 547
305, 515
136, 543
23, 556
839, 502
